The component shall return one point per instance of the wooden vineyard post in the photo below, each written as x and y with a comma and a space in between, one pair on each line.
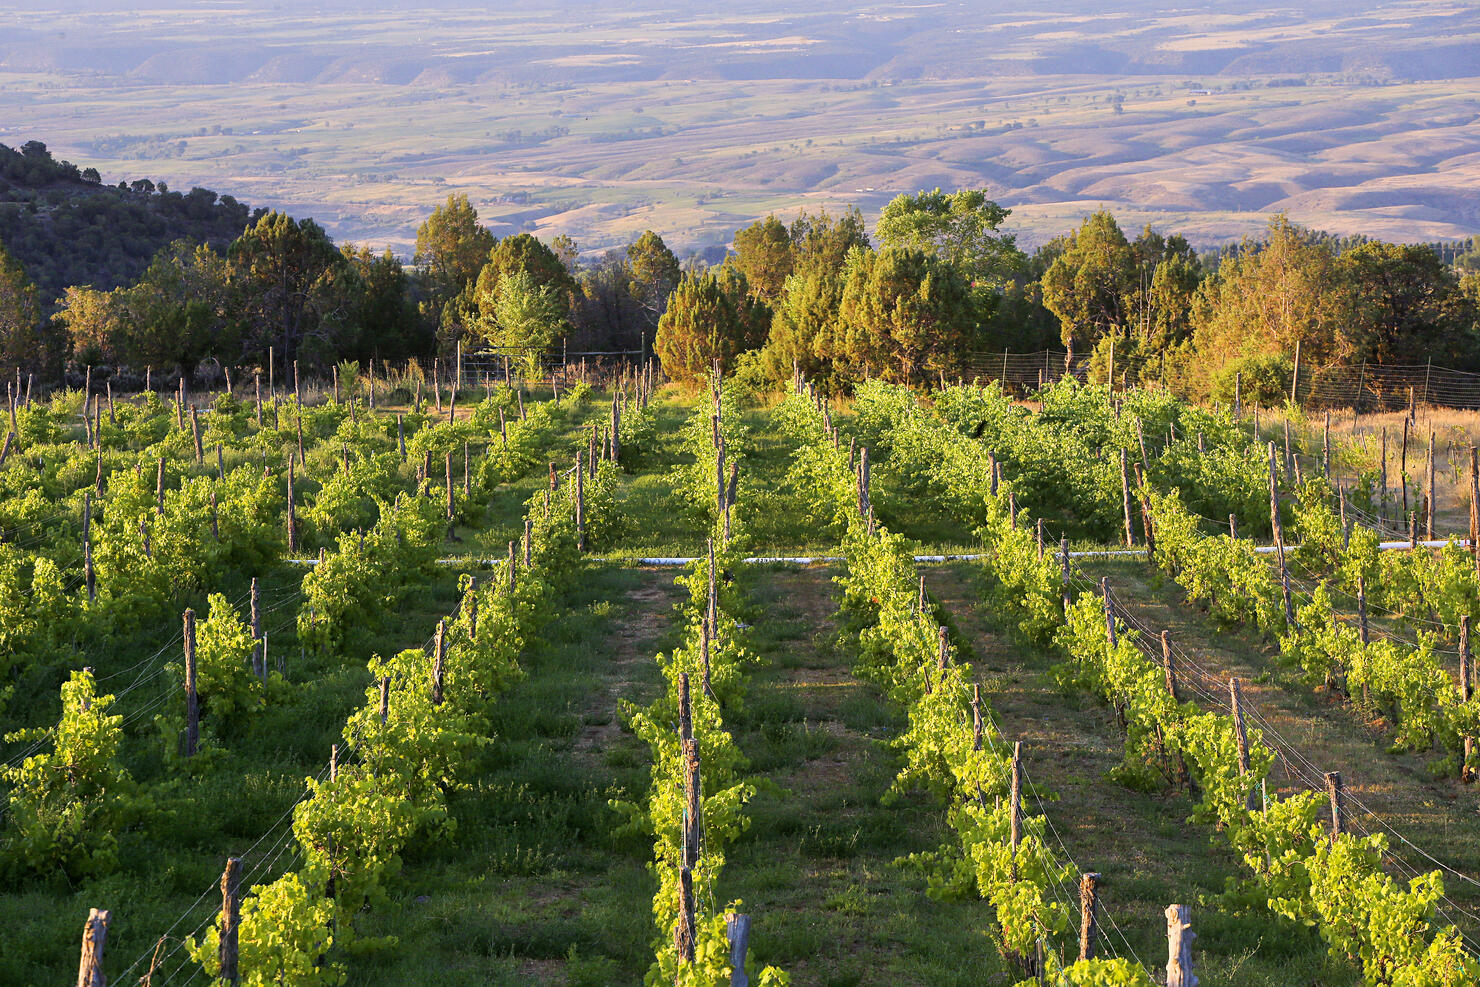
528, 537
685, 935
299, 419
335, 369
230, 919
1466, 689
1326, 447
1429, 500
616, 440
439, 646
1279, 538
1475, 508
94, 936
259, 667
292, 513
1109, 605
385, 699
1362, 628
1168, 667
1125, 496
1233, 526
1403, 466
89, 575
580, 504
257, 387
864, 471
467, 472
297, 387
192, 702
1015, 805
1295, 375
944, 654
1089, 893
737, 932
503, 427
1064, 565
513, 584
401, 436
451, 502
472, 604
1338, 803
1038, 531
1179, 947
159, 486
200, 454
1240, 734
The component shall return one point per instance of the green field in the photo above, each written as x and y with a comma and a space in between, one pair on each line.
539, 881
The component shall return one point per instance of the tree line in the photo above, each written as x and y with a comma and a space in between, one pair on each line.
937, 281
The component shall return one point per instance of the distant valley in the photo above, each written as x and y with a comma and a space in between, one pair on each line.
1355, 118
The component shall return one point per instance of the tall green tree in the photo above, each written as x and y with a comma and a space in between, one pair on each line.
822, 242
763, 254
804, 325
451, 246
1090, 283
960, 228
20, 312
711, 316
523, 314
654, 273
905, 316
451, 249
382, 313
524, 252
1406, 306
287, 284
1269, 296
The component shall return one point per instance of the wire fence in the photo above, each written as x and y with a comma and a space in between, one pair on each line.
1367, 387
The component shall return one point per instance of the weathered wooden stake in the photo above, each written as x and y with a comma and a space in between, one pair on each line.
1089, 893
258, 667
737, 931
1125, 495
1240, 734
230, 919
1064, 566
1338, 803
1015, 804
192, 702
292, 513
94, 936
1466, 689
439, 645
1429, 500
1179, 947
1168, 666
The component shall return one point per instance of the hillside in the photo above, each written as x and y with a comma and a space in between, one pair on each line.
69, 228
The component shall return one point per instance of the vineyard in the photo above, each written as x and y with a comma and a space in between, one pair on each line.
601, 681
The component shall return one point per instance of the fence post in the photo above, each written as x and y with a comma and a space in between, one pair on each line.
1466, 689
230, 919
1168, 667
1240, 734
1089, 892
1015, 804
439, 649
737, 931
94, 935
1295, 377
192, 702
1179, 947
1338, 803
1125, 496
259, 668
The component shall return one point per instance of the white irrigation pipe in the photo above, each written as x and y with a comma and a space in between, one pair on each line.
678, 560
